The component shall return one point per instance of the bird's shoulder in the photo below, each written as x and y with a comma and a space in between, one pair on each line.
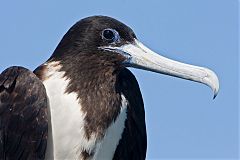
23, 115
133, 144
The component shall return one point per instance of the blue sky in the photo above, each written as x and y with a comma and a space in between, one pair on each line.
182, 119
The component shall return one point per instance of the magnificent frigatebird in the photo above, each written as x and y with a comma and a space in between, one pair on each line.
83, 103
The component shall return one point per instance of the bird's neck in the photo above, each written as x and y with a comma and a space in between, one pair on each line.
96, 88
85, 98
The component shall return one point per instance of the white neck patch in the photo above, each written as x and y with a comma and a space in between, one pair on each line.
106, 148
67, 123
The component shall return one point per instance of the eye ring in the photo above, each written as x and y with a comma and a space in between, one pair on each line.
110, 35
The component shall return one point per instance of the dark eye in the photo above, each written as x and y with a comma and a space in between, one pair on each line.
110, 35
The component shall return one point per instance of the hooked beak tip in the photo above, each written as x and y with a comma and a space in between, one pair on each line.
212, 81
215, 93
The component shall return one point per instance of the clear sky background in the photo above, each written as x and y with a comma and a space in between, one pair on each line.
183, 122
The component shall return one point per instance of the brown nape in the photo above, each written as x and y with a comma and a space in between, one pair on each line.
40, 72
94, 80
44, 71
86, 155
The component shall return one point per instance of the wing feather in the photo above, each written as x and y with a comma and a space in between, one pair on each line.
133, 144
23, 115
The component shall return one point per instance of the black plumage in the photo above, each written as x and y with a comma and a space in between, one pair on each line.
133, 144
23, 115
95, 75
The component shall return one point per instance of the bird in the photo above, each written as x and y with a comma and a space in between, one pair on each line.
83, 102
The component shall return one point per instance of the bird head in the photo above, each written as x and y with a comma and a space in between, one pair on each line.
104, 41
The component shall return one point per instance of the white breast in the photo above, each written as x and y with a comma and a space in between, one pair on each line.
67, 124
106, 148
67, 120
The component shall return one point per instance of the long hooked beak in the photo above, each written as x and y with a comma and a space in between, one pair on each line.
139, 56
